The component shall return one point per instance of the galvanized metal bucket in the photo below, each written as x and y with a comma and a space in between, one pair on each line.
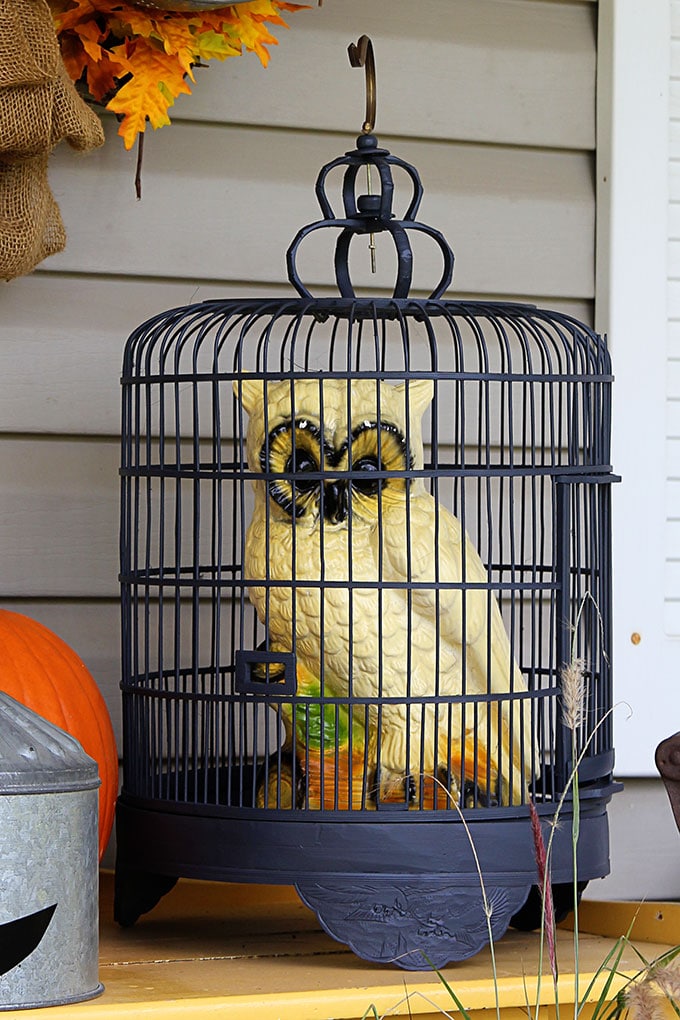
49, 895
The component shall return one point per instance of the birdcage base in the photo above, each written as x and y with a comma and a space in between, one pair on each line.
400, 887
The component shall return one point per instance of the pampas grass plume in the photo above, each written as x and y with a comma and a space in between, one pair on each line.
666, 976
573, 694
644, 1002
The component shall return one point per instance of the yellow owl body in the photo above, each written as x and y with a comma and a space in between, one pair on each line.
364, 567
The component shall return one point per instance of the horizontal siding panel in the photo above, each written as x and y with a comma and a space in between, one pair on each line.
673, 379
673, 429
674, 339
673, 467
92, 629
673, 419
675, 21
61, 373
673, 539
59, 517
674, 220
672, 617
520, 73
674, 180
673, 583
674, 259
674, 138
673, 292
224, 203
674, 96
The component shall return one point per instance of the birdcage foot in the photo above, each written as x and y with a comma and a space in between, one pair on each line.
137, 892
475, 795
529, 916
393, 788
281, 783
413, 923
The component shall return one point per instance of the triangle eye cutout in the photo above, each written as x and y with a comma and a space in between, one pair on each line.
18, 939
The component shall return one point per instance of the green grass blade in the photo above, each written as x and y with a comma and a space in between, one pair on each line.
615, 954
459, 1005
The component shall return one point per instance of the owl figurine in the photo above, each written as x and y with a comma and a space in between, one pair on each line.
374, 598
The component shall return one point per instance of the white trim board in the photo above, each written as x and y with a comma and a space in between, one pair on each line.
631, 306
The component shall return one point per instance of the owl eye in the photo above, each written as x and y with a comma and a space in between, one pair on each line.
377, 446
297, 464
292, 450
368, 486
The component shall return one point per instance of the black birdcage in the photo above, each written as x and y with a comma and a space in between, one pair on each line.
362, 539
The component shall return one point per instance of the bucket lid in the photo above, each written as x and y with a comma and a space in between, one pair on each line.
38, 757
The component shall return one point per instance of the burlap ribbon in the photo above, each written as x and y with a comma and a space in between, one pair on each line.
39, 106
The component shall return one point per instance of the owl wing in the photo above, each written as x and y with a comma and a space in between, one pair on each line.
426, 543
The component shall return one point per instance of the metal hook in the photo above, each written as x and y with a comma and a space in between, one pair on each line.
361, 55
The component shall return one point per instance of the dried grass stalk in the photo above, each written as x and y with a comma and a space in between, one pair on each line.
573, 694
644, 1002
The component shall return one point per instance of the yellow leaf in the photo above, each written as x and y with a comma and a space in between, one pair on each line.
177, 34
255, 37
245, 26
143, 98
177, 38
211, 45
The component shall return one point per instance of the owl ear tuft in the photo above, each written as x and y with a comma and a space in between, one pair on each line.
250, 392
420, 394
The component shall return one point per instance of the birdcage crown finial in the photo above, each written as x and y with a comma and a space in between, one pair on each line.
370, 213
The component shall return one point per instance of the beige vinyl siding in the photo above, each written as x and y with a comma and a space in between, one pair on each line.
519, 220
493, 100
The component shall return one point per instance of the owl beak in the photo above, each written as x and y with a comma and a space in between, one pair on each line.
335, 502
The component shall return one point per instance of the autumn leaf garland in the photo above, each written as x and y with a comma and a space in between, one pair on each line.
136, 61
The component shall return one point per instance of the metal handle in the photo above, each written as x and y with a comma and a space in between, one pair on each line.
361, 55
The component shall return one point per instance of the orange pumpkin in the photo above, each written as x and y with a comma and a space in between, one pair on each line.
41, 671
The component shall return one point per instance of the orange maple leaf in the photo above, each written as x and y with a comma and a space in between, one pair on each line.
65, 20
73, 55
157, 80
103, 77
90, 36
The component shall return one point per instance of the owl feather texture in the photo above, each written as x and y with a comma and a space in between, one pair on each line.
382, 597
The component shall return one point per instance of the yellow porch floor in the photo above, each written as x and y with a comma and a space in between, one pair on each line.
244, 952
